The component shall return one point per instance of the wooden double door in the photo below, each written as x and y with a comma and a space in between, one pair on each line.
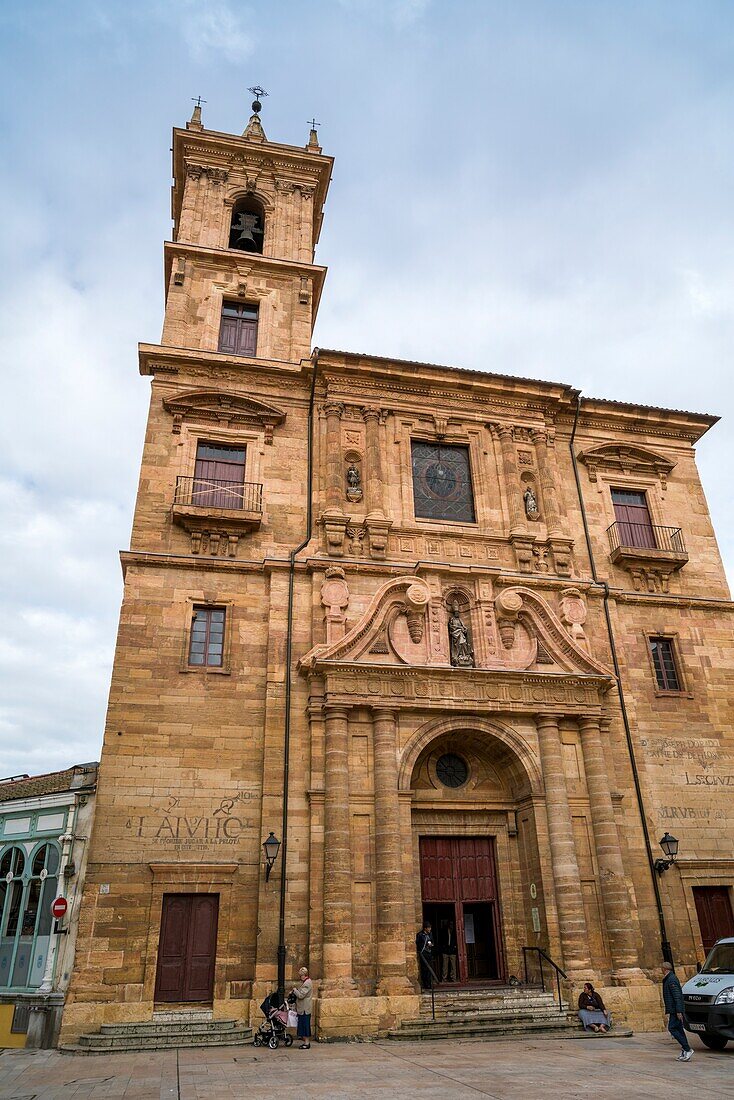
187, 948
460, 897
715, 917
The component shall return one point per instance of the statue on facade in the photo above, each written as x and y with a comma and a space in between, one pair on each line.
354, 483
462, 654
531, 503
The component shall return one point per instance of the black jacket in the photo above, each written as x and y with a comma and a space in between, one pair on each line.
672, 994
424, 943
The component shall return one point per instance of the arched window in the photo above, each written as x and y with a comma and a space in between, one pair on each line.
27, 888
247, 229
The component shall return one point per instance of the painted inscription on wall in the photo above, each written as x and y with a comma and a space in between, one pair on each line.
704, 750
175, 825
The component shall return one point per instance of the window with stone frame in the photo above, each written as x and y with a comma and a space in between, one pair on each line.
206, 640
664, 663
442, 483
238, 330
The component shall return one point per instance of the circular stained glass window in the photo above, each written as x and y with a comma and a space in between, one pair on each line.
452, 770
440, 479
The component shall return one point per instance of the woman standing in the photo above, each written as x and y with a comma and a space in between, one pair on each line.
304, 1007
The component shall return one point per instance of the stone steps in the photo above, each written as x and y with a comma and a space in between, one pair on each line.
494, 1013
161, 1035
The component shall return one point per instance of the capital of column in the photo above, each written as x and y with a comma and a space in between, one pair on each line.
589, 721
549, 718
335, 710
384, 712
539, 435
334, 408
371, 412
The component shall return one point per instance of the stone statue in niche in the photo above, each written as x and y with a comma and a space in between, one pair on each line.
462, 654
531, 503
354, 483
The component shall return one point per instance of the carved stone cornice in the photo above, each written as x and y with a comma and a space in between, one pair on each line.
463, 689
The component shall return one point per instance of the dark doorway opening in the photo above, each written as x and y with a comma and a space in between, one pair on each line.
187, 948
459, 886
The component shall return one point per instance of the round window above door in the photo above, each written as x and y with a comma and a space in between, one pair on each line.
452, 770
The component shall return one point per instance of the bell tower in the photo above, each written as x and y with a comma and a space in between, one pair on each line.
247, 212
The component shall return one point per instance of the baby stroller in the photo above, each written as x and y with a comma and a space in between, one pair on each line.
273, 1031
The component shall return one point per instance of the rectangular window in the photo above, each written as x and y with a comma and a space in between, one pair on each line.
633, 519
663, 660
442, 486
219, 476
238, 331
206, 644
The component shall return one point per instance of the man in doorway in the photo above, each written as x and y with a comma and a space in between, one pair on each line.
673, 1001
424, 944
447, 947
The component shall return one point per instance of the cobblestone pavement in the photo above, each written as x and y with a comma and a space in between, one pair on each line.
643, 1066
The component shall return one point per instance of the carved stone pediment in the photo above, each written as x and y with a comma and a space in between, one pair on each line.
626, 458
405, 625
392, 630
223, 407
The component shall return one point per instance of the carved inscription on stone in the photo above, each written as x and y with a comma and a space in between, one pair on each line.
179, 827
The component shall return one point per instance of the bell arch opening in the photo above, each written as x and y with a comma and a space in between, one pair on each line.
247, 227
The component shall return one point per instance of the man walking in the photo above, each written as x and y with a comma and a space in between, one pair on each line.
673, 1001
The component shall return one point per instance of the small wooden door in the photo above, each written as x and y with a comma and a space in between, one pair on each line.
633, 517
715, 918
187, 948
219, 476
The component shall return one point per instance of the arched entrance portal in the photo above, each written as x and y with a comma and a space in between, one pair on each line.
477, 866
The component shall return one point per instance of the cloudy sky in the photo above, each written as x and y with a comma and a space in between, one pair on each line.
541, 188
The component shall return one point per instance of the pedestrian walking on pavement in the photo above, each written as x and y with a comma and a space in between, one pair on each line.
673, 1001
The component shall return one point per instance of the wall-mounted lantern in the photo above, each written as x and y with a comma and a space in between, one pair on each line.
670, 846
271, 847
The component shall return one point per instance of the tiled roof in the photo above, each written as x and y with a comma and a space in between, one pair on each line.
571, 392
76, 777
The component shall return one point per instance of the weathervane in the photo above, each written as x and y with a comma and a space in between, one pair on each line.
257, 91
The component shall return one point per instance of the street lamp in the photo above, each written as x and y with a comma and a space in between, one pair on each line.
669, 844
271, 847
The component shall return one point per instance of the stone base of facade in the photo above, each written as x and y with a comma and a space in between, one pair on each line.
636, 1005
344, 1017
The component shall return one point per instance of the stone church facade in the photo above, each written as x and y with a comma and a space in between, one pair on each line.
475, 628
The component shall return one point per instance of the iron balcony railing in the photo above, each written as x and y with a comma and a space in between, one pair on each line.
645, 536
204, 492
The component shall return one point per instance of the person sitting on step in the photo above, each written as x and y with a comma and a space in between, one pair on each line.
592, 1013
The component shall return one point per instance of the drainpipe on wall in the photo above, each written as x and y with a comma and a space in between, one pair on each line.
288, 659
664, 942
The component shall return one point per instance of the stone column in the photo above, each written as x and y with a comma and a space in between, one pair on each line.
518, 526
391, 963
612, 878
373, 482
334, 487
569, 900
337, 855
547, 478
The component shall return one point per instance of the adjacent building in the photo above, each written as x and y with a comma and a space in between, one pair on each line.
45, 823
461, 641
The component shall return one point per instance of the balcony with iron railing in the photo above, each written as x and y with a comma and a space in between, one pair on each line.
646, 544
200, 503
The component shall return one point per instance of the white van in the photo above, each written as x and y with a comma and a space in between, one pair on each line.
709, 997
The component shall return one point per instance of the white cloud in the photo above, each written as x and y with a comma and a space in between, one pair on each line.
213, 28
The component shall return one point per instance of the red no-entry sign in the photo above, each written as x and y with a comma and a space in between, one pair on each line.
59, 907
